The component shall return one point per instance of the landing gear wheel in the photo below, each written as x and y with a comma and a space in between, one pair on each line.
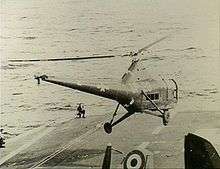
108, 127
166, 118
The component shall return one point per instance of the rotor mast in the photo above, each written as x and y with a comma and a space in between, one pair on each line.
135, 61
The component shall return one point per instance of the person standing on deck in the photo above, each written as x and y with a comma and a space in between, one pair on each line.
2, 142
81, 111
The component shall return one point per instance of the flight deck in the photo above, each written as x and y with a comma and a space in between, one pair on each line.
81, 143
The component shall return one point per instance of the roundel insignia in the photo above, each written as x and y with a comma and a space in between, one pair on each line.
134, 160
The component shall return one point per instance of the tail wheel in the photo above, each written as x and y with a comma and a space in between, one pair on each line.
166, 117
108, 127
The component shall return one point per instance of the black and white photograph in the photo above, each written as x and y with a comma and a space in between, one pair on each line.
110, 84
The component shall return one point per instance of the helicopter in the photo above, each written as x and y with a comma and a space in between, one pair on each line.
154, 96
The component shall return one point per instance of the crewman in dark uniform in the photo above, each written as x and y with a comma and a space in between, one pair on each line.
2, 139
81, 111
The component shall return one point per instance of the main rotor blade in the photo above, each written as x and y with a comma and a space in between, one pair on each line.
149, 45
88, 57
62, 59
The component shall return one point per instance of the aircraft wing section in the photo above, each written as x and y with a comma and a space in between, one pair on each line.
200, 153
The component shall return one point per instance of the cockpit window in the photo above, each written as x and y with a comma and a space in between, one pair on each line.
153, 96
156, 96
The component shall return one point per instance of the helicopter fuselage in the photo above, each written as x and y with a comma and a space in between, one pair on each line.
132, 101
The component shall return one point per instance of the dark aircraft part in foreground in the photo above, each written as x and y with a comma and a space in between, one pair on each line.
107, 158
139, 158
200, 153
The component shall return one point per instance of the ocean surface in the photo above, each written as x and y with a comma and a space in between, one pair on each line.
35, 29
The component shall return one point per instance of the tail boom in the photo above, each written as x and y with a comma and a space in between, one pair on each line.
121, 96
